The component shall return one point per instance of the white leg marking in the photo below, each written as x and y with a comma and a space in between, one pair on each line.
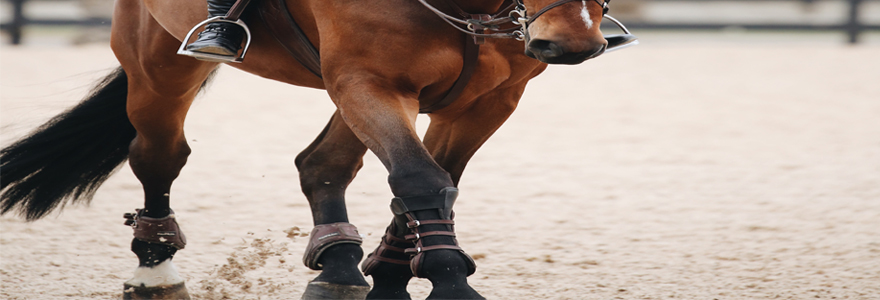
163, 274
586, 15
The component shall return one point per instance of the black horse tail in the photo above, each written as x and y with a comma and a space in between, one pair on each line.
71, 155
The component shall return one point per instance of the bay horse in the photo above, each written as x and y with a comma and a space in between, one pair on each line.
381, 62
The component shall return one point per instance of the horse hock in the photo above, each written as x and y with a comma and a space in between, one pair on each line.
155, 242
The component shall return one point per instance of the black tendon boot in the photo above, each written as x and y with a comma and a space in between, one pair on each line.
219, 38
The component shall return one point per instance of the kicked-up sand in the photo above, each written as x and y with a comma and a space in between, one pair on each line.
663, 171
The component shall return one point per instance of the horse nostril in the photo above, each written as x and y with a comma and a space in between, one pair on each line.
546, 49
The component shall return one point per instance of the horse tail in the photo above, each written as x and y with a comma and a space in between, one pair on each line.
71, 155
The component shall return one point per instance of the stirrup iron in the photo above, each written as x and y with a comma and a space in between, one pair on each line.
216, 57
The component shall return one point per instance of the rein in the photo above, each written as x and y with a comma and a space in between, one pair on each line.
493, 23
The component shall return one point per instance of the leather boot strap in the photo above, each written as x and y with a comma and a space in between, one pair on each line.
418, 249
384, 249
163, 231
443, 202
326, 235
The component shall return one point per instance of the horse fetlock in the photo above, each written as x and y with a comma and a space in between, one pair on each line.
335, 250
431, 229
339, 265
151, 254
162, 231
448, 270
324, 236
442, 265
389, 282
458, 290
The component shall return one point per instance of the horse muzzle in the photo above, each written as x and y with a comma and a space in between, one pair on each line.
553, 53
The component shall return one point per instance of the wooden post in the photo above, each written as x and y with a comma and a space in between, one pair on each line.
853, 27
17, 21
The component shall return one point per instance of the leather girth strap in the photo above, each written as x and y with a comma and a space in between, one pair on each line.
276, 16
283, 27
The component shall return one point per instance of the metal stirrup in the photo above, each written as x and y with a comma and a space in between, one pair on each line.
216, 57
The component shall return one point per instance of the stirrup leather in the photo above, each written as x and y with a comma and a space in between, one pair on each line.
216, 57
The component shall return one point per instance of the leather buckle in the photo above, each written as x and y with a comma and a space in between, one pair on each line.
413, 224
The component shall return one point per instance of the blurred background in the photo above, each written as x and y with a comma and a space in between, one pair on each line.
735, 154
66, 22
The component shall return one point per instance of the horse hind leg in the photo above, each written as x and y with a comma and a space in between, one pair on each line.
326, 168
161, 88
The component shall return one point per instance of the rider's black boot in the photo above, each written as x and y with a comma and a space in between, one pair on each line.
219, 38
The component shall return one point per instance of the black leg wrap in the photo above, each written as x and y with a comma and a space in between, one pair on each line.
430, 216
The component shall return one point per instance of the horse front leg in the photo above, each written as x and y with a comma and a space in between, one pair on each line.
454, 138
383, 116
161, 87
326, 168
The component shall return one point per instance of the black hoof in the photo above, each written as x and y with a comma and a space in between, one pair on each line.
326, 290
177, 291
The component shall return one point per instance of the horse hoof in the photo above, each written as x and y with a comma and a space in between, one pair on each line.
326, 290
176, 291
